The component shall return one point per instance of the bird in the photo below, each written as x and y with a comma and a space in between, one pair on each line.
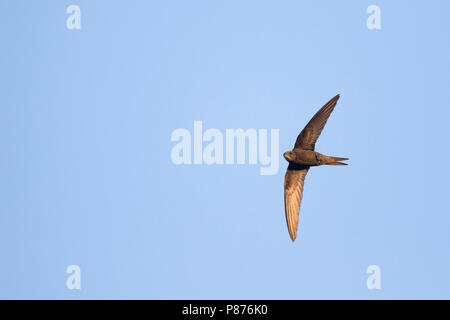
300, 159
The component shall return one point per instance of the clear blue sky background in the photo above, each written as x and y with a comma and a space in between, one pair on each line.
85, 170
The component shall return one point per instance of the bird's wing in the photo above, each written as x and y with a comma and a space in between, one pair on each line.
293, 192
309, 135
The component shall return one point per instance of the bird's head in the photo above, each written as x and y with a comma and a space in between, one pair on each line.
289, 155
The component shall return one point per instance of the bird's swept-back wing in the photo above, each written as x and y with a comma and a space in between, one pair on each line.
309, 135
293, 192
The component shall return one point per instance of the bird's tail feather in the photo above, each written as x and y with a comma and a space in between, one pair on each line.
336, 164
335, 161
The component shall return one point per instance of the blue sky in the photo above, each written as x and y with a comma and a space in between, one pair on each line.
86, 176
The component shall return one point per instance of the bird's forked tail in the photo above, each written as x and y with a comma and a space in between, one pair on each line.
335, 161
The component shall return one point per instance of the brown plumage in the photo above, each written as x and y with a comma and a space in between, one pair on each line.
300, 159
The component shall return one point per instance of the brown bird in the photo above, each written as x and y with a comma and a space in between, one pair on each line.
300, 159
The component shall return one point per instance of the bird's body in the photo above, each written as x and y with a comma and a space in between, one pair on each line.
311, 158
300, 159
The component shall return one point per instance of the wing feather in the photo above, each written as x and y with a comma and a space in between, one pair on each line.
293, 193
309, 135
